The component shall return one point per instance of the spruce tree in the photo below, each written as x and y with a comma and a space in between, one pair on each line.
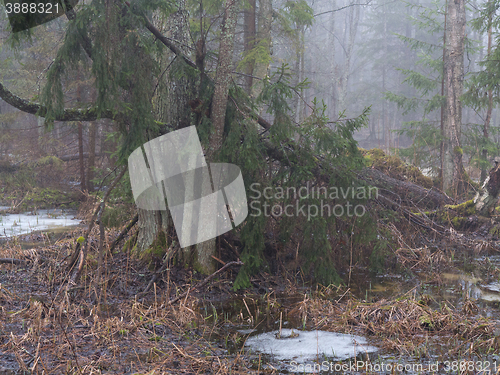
127, 57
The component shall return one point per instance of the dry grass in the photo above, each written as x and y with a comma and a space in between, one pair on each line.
406, 324
99, 329
104, 328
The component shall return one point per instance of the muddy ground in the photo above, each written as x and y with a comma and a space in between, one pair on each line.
431, 312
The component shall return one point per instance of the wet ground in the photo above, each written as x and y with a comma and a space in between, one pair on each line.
253, 324
267, 332
50, 220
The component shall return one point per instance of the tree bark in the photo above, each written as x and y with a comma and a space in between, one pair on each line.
170, 102
223, 77
486, 126
71, 114
80, 156
91, 161
343, 79
205, 250
406, 192
263, 39
249, 39
453, 170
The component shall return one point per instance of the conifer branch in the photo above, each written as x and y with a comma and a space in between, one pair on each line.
176, 50
70, 114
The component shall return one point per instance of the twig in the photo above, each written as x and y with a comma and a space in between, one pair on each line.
170, 252
12, 261
124, 232
205, 281
81, 250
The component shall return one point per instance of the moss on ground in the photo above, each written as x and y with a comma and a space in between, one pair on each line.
393, 166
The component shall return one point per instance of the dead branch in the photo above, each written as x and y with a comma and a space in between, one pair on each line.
11, 261
166, 262
124, 232
81, 250
205, 281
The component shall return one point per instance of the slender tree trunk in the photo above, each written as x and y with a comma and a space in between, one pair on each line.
486, 126
351, 29
91, 161
223, 77
263, 39
333, 67
453, 171
443, 141
80, 155
249, 40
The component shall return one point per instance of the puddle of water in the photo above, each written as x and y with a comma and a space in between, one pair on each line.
306, 346
17, 224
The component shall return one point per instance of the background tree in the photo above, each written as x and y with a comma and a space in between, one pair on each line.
452, 166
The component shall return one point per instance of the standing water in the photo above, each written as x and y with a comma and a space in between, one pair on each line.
12, 225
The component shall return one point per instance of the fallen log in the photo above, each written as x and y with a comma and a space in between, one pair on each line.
407, 191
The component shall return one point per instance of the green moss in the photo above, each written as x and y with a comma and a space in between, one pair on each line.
463, 209
155, 253
458, 222
393, 166
458, 150
50, 160
495, 231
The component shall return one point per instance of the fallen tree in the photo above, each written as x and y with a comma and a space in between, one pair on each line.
406, 191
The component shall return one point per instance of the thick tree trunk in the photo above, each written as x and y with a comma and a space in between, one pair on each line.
404, 191
171, 104
205, 250
453, 170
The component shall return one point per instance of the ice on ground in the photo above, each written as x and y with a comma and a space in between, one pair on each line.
309, 345
18, 224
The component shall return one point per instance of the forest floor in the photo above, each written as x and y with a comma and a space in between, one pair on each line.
437, 301
49, 327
